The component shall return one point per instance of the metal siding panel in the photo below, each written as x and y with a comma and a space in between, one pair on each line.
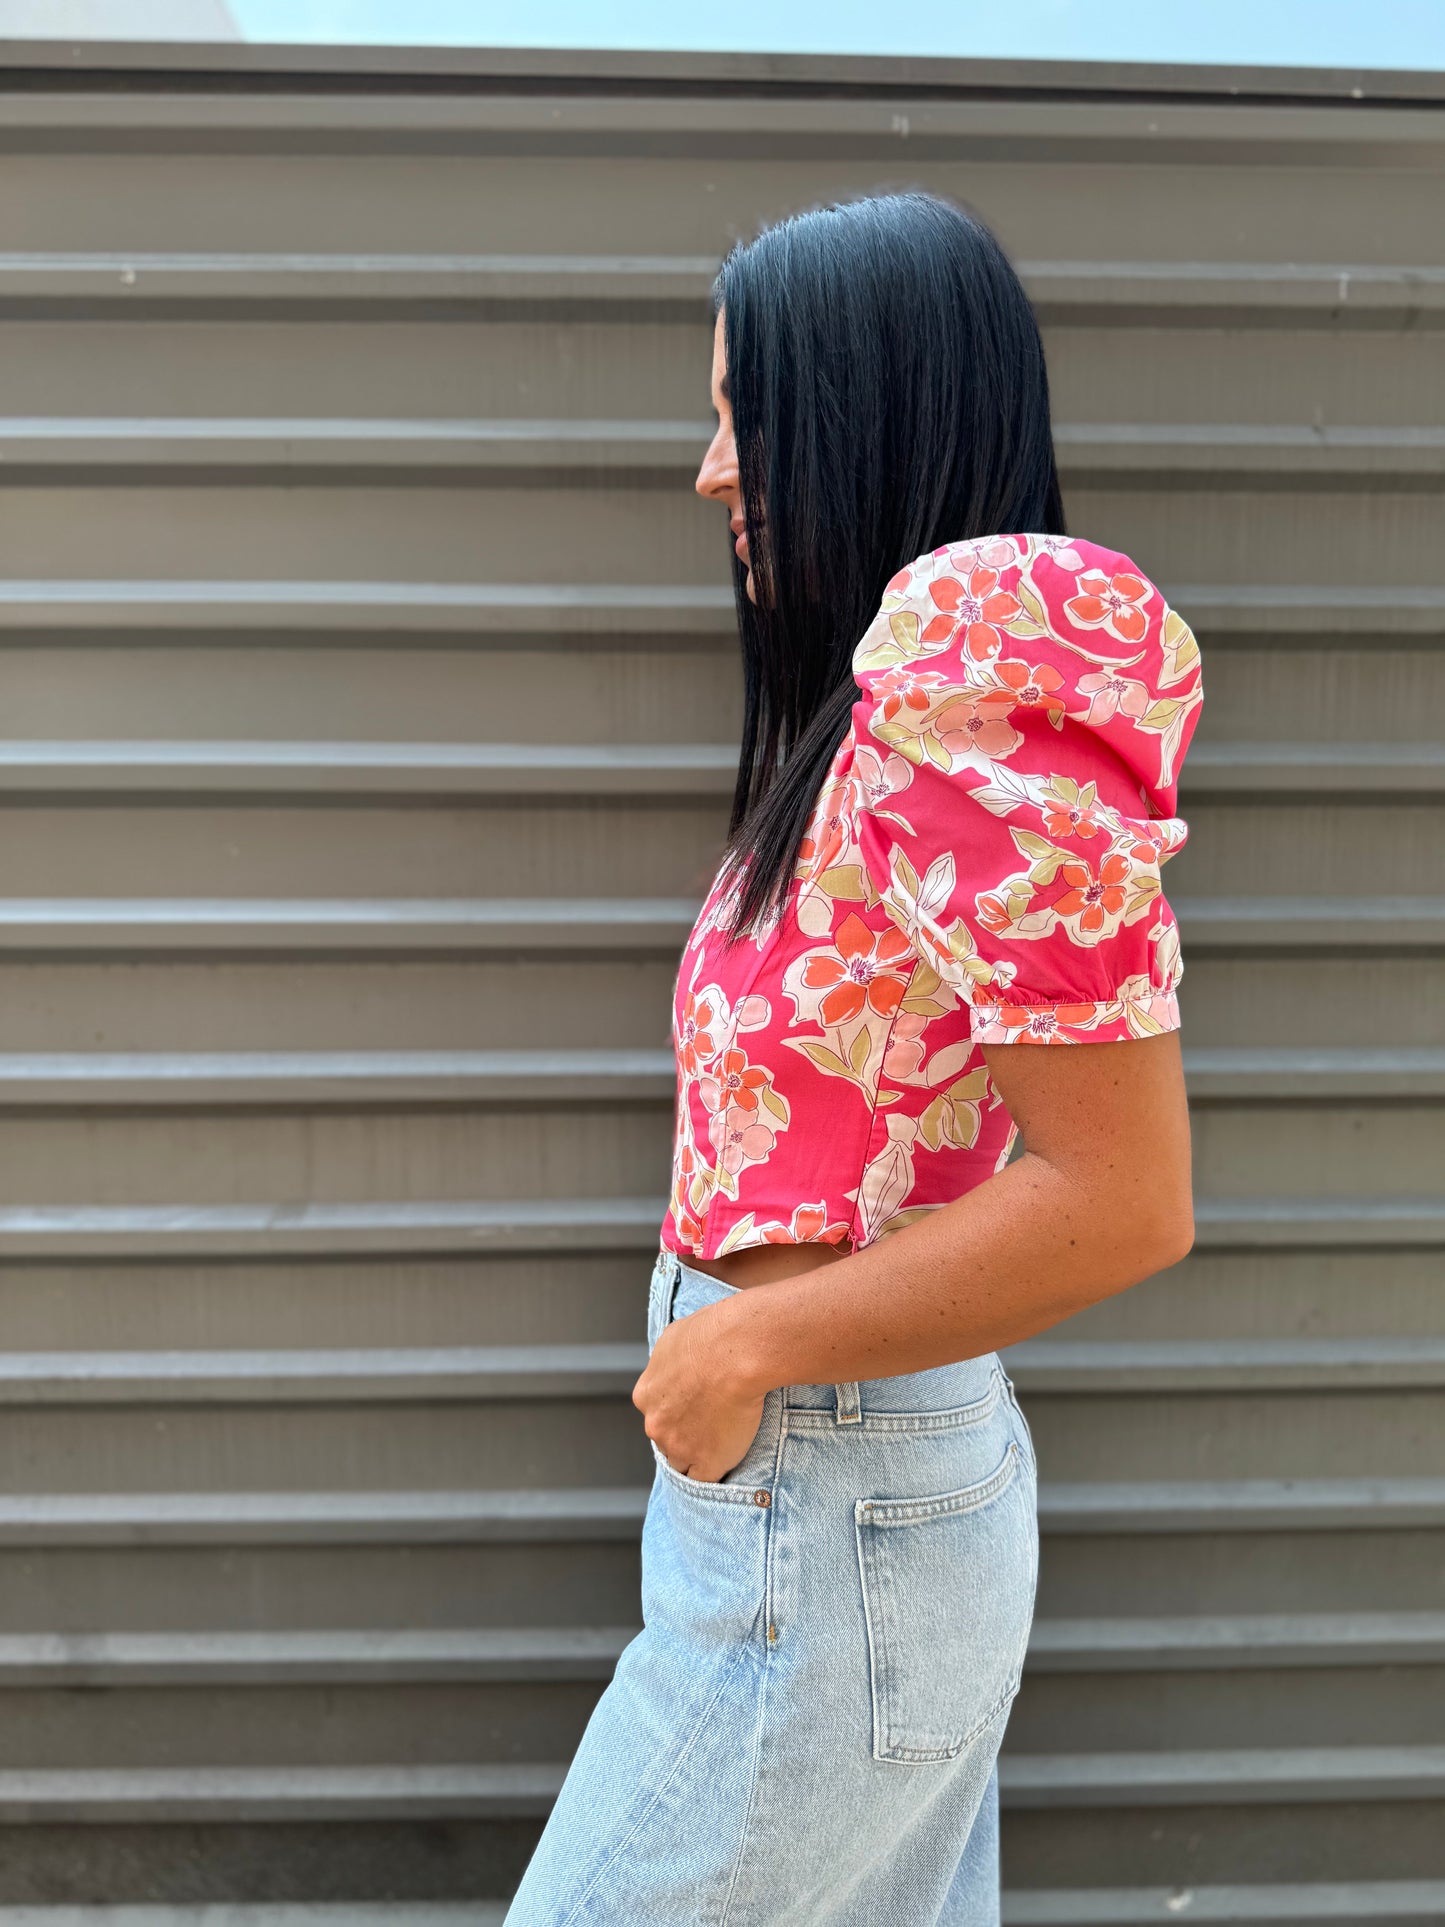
346, 428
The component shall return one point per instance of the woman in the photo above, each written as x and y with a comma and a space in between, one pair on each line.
946, 843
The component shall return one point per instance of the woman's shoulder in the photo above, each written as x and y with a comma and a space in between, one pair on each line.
976, 603
1042, 651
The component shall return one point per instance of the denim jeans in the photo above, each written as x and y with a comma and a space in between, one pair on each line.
805, 1732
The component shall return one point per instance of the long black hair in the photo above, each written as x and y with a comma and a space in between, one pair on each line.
889, 395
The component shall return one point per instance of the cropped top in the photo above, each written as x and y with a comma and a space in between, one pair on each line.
981, 867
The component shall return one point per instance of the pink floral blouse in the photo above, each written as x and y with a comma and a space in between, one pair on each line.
982, 867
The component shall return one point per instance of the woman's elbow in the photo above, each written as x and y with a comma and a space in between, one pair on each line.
1177, 1240
1169, 1235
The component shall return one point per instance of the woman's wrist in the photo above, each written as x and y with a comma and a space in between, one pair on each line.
746, 1364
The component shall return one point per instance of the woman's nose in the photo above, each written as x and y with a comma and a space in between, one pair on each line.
717, 479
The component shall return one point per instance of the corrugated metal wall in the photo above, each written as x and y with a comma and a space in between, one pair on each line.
366, 687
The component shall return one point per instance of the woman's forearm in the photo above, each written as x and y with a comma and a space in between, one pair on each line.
1034, 1244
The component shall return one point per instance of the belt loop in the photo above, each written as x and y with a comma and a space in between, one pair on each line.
846, 1408
665, 1274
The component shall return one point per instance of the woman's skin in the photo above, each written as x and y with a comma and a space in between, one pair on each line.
1099, 1199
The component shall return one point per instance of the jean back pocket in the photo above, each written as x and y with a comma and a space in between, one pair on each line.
948, 1590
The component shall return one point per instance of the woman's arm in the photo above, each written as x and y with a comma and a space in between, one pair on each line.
1099, 1200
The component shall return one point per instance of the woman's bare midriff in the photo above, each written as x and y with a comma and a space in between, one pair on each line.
766, 1264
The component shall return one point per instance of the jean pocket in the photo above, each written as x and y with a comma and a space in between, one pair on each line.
948, 1588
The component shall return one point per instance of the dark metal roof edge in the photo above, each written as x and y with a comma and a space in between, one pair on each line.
128, 60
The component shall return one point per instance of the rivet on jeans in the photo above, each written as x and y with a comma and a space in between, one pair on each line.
762, 1498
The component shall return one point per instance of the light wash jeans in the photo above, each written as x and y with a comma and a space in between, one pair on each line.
805, 1732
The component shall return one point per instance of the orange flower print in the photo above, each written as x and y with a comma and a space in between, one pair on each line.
1149, 844
906, 689
978, 725
1112, 602
809, 1226
740, 1137
1092, 898
977, 605
1033, 688
1039, 1023
1109, 692
688, 1177
828, 832
695, 1041
993, 914
1069, 808
732, 1083
859, 972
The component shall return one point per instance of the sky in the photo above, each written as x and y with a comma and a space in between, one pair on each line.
1314, 33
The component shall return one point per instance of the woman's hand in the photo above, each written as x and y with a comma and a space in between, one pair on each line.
701, 1410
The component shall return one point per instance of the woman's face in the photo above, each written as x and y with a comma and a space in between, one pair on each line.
717, 479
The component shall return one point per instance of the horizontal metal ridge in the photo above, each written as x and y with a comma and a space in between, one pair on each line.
97, 605
349, 769
1228, 1776
405, 1518
1228, 1640
474, 1373
249, 444
1311, 923
276, 1913
774, 116
340, 72
1292, 769
1241, 1505
147, 1794
585, 1074
299, 1377
129, 1078
1230, 1364
459, 1225
388, 1656
1340, 290
481, 608
372, 769
390, 924
390, 446
585, 1223
1269, 1223
1354, 1072
585, 1513
1231, 1776
480, 924
582, 1224
1221, 610
1305, 451
1363, 1903
335, 1656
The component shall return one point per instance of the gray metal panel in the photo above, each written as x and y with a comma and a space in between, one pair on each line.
366, 696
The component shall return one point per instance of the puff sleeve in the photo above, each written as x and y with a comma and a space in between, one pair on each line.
1026, 702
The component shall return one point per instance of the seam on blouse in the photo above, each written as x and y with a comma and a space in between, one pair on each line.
759, 960
873, 1111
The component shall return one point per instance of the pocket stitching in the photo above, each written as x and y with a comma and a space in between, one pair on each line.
968, 1498
713, 1490
893, 1512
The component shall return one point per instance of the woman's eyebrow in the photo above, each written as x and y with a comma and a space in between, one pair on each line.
724, 390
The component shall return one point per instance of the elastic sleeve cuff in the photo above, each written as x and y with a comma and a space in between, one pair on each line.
1134, 1011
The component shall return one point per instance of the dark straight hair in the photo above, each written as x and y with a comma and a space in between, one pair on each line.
889, 396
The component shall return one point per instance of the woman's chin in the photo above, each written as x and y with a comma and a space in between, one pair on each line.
750, 589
